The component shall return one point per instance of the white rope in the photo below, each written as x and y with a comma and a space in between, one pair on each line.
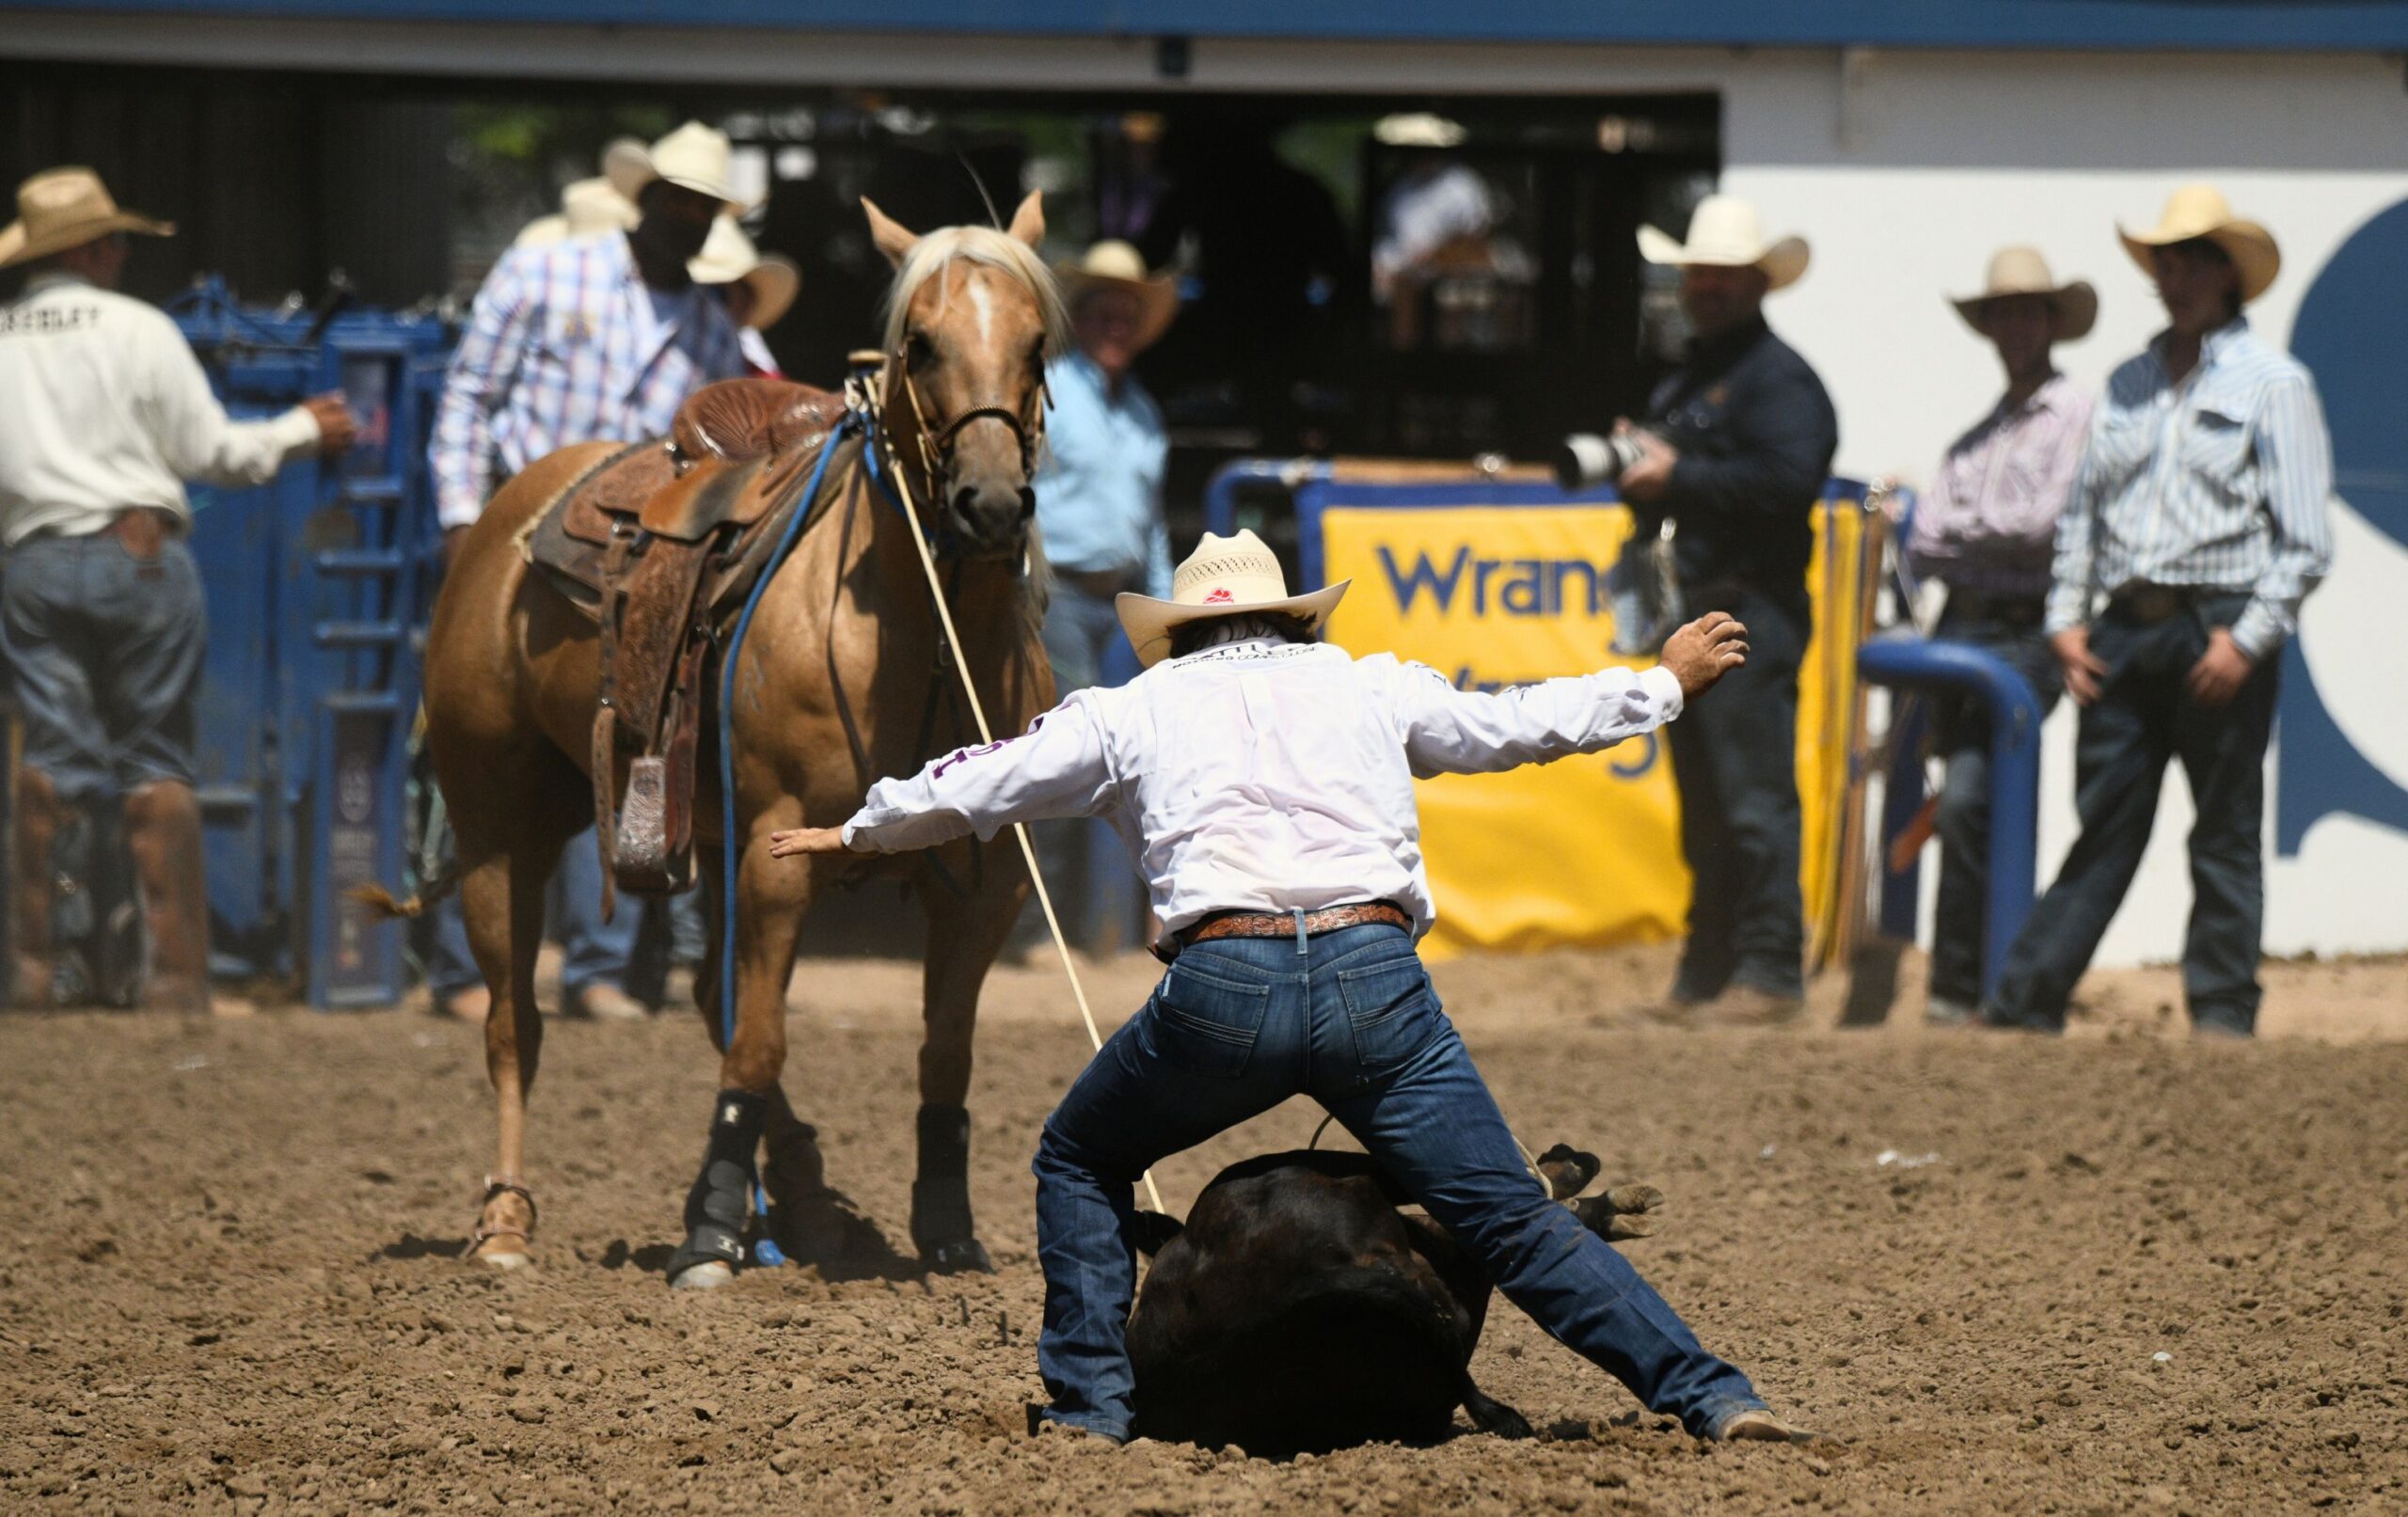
986, 734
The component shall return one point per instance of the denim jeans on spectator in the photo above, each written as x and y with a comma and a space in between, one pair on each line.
1080, 630
593, 951
1238, 1026
1735, 756
103, 652
2141, 720
1961, 736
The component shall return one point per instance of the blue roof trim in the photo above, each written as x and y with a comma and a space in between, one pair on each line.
2215, 25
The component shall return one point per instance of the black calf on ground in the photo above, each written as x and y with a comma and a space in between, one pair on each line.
1297, 1310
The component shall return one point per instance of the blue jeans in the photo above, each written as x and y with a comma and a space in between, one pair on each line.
1961, 733
2142, 721
105, 653
1734, 757
1238, 1026
1082, 859
593, 951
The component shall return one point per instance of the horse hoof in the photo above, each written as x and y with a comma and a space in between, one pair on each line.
968, 1257
505, 1261
708, 1275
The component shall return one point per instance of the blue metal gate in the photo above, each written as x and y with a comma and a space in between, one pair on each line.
315, 582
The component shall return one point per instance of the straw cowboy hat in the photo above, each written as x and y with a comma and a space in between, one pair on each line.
62, 208
2196, 210
1727, 233
1114, 265
2073, 307
588, 208
1224, 577
728, 256
694, 157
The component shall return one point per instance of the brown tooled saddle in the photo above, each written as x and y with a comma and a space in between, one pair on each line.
659, 542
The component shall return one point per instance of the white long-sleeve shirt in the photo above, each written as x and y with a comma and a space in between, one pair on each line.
1263, 776
103, 408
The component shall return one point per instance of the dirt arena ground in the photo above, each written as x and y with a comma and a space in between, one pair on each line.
2115, 1272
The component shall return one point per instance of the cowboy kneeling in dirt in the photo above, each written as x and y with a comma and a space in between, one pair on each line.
1265, 780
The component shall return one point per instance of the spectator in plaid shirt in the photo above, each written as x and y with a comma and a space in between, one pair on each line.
595, 339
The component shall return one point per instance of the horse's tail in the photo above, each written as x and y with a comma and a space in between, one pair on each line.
381, 901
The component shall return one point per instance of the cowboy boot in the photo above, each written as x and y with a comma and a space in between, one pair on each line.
163, 834
32, 884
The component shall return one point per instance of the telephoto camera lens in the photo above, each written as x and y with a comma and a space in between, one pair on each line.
1586, 459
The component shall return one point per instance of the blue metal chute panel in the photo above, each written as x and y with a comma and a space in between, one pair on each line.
348, 565
315, 586
247, 836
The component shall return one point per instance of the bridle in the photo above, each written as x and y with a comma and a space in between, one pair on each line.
937, 443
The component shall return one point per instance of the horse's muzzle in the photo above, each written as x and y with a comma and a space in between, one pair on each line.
986, 522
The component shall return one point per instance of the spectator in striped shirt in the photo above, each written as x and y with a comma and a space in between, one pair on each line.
2199, 517
593, 338
1984, 529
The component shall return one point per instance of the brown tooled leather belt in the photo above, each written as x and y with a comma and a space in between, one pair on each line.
1275, 924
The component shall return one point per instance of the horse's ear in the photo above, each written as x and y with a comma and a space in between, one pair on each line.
1028, 222
893, 238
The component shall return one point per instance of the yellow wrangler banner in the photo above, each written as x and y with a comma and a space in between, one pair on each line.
1585, 851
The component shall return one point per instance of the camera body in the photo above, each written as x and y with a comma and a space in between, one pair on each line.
1585, 460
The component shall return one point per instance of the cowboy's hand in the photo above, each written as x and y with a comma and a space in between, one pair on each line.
2217, 677
1704, 650
1648, 478
336, 428
787, 843
2085, 675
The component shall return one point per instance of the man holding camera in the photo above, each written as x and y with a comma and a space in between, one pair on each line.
1735, 448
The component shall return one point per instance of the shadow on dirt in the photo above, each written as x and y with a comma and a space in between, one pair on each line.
414, 1247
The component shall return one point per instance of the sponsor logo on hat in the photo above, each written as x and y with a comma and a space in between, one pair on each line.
1219, 598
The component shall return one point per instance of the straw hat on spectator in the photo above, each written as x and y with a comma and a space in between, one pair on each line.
694, 157
728, 256
1113, 264
2198, 210
2073, 307
588, 207
1726, 232
62, 208
1224, 577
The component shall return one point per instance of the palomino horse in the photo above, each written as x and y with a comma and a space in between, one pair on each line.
838, 682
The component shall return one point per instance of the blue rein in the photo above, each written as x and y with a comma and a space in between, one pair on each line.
731, 848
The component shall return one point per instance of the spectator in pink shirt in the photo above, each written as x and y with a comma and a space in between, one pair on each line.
1986, 528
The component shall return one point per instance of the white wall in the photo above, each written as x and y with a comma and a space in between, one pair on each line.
1906, 170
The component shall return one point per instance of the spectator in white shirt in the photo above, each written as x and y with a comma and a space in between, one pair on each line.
104, 413
1265, 782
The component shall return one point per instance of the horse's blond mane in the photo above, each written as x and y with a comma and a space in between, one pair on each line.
936, 252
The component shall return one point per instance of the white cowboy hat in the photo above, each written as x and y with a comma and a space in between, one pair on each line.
2197, 211
588, 207
2073, 305
62, 208
1726, 232
728, 256
1114, 265
1224, 577
693, 157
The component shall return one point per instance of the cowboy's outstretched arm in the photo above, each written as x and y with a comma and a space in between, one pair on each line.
1055, 769
1448, 731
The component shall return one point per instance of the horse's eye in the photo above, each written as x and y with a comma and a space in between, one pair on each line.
919, 346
